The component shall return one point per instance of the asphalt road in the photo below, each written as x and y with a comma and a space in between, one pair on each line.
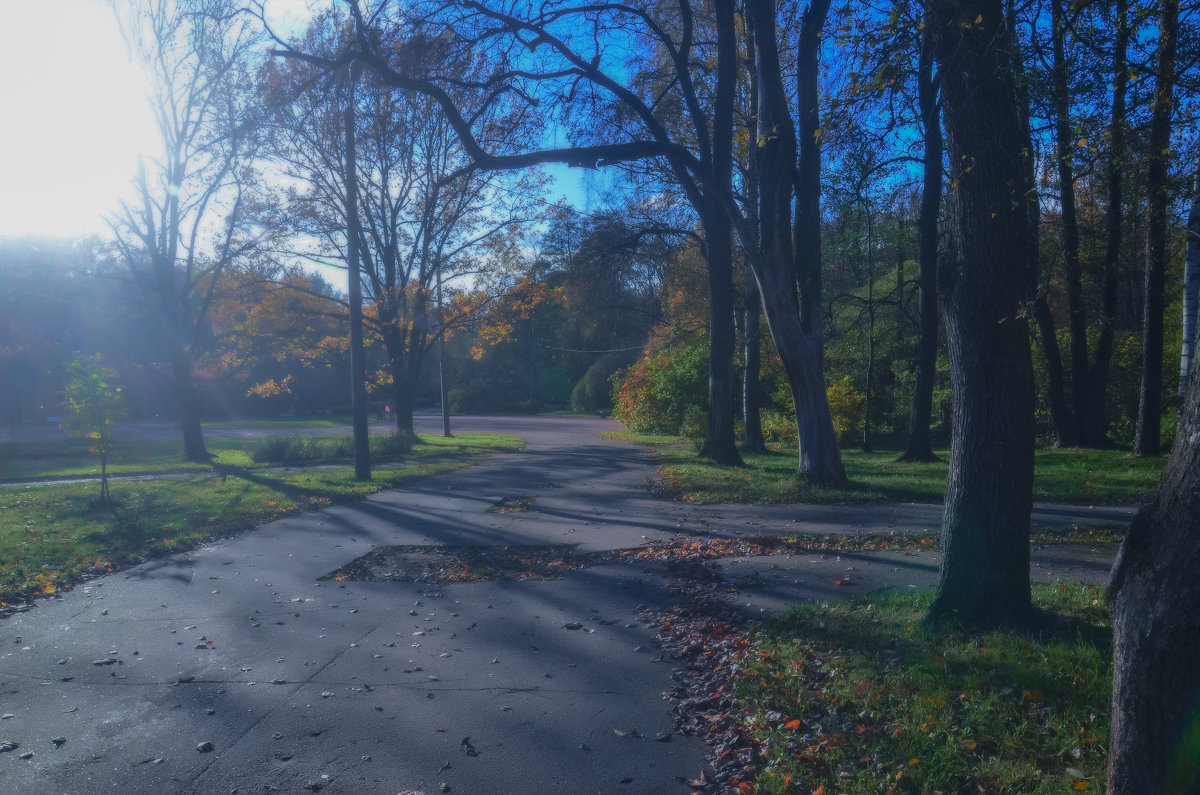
235, 669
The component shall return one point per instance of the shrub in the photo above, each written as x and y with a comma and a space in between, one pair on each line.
314, 450
392, 446
654, 395
694, 426
300, 450
847, 406
779, 428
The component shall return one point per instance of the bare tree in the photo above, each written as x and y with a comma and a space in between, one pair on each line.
422, 216
195, 207
543, 59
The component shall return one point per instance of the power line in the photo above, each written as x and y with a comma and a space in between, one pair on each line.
580, 350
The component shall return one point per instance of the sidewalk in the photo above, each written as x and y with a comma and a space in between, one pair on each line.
302, 685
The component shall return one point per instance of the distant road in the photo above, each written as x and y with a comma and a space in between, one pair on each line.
425, 424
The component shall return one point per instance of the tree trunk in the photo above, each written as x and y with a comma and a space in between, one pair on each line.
987, 279
752, 302
1155, 594
1072, 272
790, 288
1093, 426
720, 444
751, 388
187, 405
1056, 386
1149, 426
919, 447
394, 345
869, 379
358, 379
1191, 285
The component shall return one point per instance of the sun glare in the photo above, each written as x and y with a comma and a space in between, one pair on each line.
73, 117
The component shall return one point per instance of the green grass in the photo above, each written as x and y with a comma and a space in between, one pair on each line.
858, 698
1087, 477
22, 461
51, 535
336, 421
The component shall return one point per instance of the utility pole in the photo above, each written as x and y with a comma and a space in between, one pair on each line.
442, 354
358, 376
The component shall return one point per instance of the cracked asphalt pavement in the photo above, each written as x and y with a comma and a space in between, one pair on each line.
235, 668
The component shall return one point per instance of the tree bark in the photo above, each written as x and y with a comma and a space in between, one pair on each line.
1149, 426
1155, 595
789, 279
1056, 380
187, 405
720, 444
1191, 285
987, 278
1093, 426
752, 440
919, 447
1072, 271
358, 379
751, 387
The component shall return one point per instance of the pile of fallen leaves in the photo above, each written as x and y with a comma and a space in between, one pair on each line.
710, 639
446, 564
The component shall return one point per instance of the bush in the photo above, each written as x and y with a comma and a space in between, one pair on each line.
847, 406
315, 450
289, 450
594, 392
391, 446
779, 428
694, 426
654, 395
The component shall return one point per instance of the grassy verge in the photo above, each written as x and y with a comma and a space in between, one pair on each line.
1080, 476
854, 697
51, 536
70, 458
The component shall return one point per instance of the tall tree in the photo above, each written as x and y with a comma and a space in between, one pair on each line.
193, 213
1065, 141
1191, 285
358, 369
1148, 440
987, 278
422, 215
918, 447
568, 45
1155, 597
1093, 423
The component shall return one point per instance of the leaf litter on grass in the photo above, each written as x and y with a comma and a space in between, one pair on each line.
828, 703
440, 564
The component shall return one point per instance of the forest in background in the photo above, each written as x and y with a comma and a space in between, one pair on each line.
838, 178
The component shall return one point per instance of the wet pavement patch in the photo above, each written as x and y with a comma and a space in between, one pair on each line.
512, 505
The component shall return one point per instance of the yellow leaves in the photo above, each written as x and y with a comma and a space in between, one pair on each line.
792, 724
1079, 781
